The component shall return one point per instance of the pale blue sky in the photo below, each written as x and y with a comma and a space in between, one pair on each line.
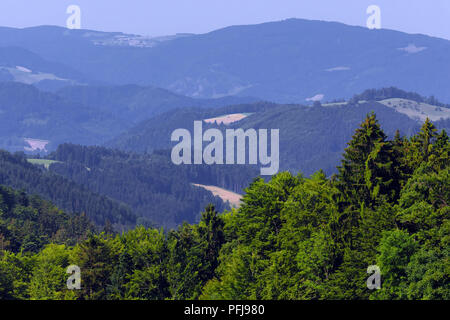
162, 17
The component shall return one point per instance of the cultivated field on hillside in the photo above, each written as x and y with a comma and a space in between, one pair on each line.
226, 195
417, 110
228, 118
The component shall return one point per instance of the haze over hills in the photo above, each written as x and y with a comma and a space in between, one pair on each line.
26, 112
21, 65
283, 61
83, 114
135, 103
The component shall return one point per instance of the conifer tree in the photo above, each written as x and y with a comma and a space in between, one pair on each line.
352, 172
426, 137
94, 259
212, 237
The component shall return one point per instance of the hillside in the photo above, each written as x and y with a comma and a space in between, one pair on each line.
417, 110
133, 103
120, 188
284, 160
226, 195
310, 137
26, 112
28, 223
154, 133
18, 173
155, 188
152, 186
21, 65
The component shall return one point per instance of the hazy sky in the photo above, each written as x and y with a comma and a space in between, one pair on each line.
162, 17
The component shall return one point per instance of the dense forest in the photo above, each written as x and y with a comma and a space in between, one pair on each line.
294, 237
27, 223
155, 188
16, 172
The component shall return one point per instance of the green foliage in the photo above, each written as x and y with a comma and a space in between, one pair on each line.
292, 238
395, 250
297, 238
360, 174
49, 274
94, 257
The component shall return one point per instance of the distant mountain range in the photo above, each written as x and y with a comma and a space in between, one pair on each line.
141, 119
284, 61
133, 103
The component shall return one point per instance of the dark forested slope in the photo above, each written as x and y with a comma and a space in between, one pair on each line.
151, 184
27, 223
16, 172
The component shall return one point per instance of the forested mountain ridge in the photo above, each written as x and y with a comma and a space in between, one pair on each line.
135, 103
154, 133
311, 137
122, 189
292, 238
26, 112
28, 223
156, 189
363, 181
88, 115
393, 92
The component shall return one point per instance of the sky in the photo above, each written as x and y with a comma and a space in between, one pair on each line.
165, 17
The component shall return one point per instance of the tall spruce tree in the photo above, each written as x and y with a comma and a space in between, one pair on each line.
426, 137
352, 172
211, 238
